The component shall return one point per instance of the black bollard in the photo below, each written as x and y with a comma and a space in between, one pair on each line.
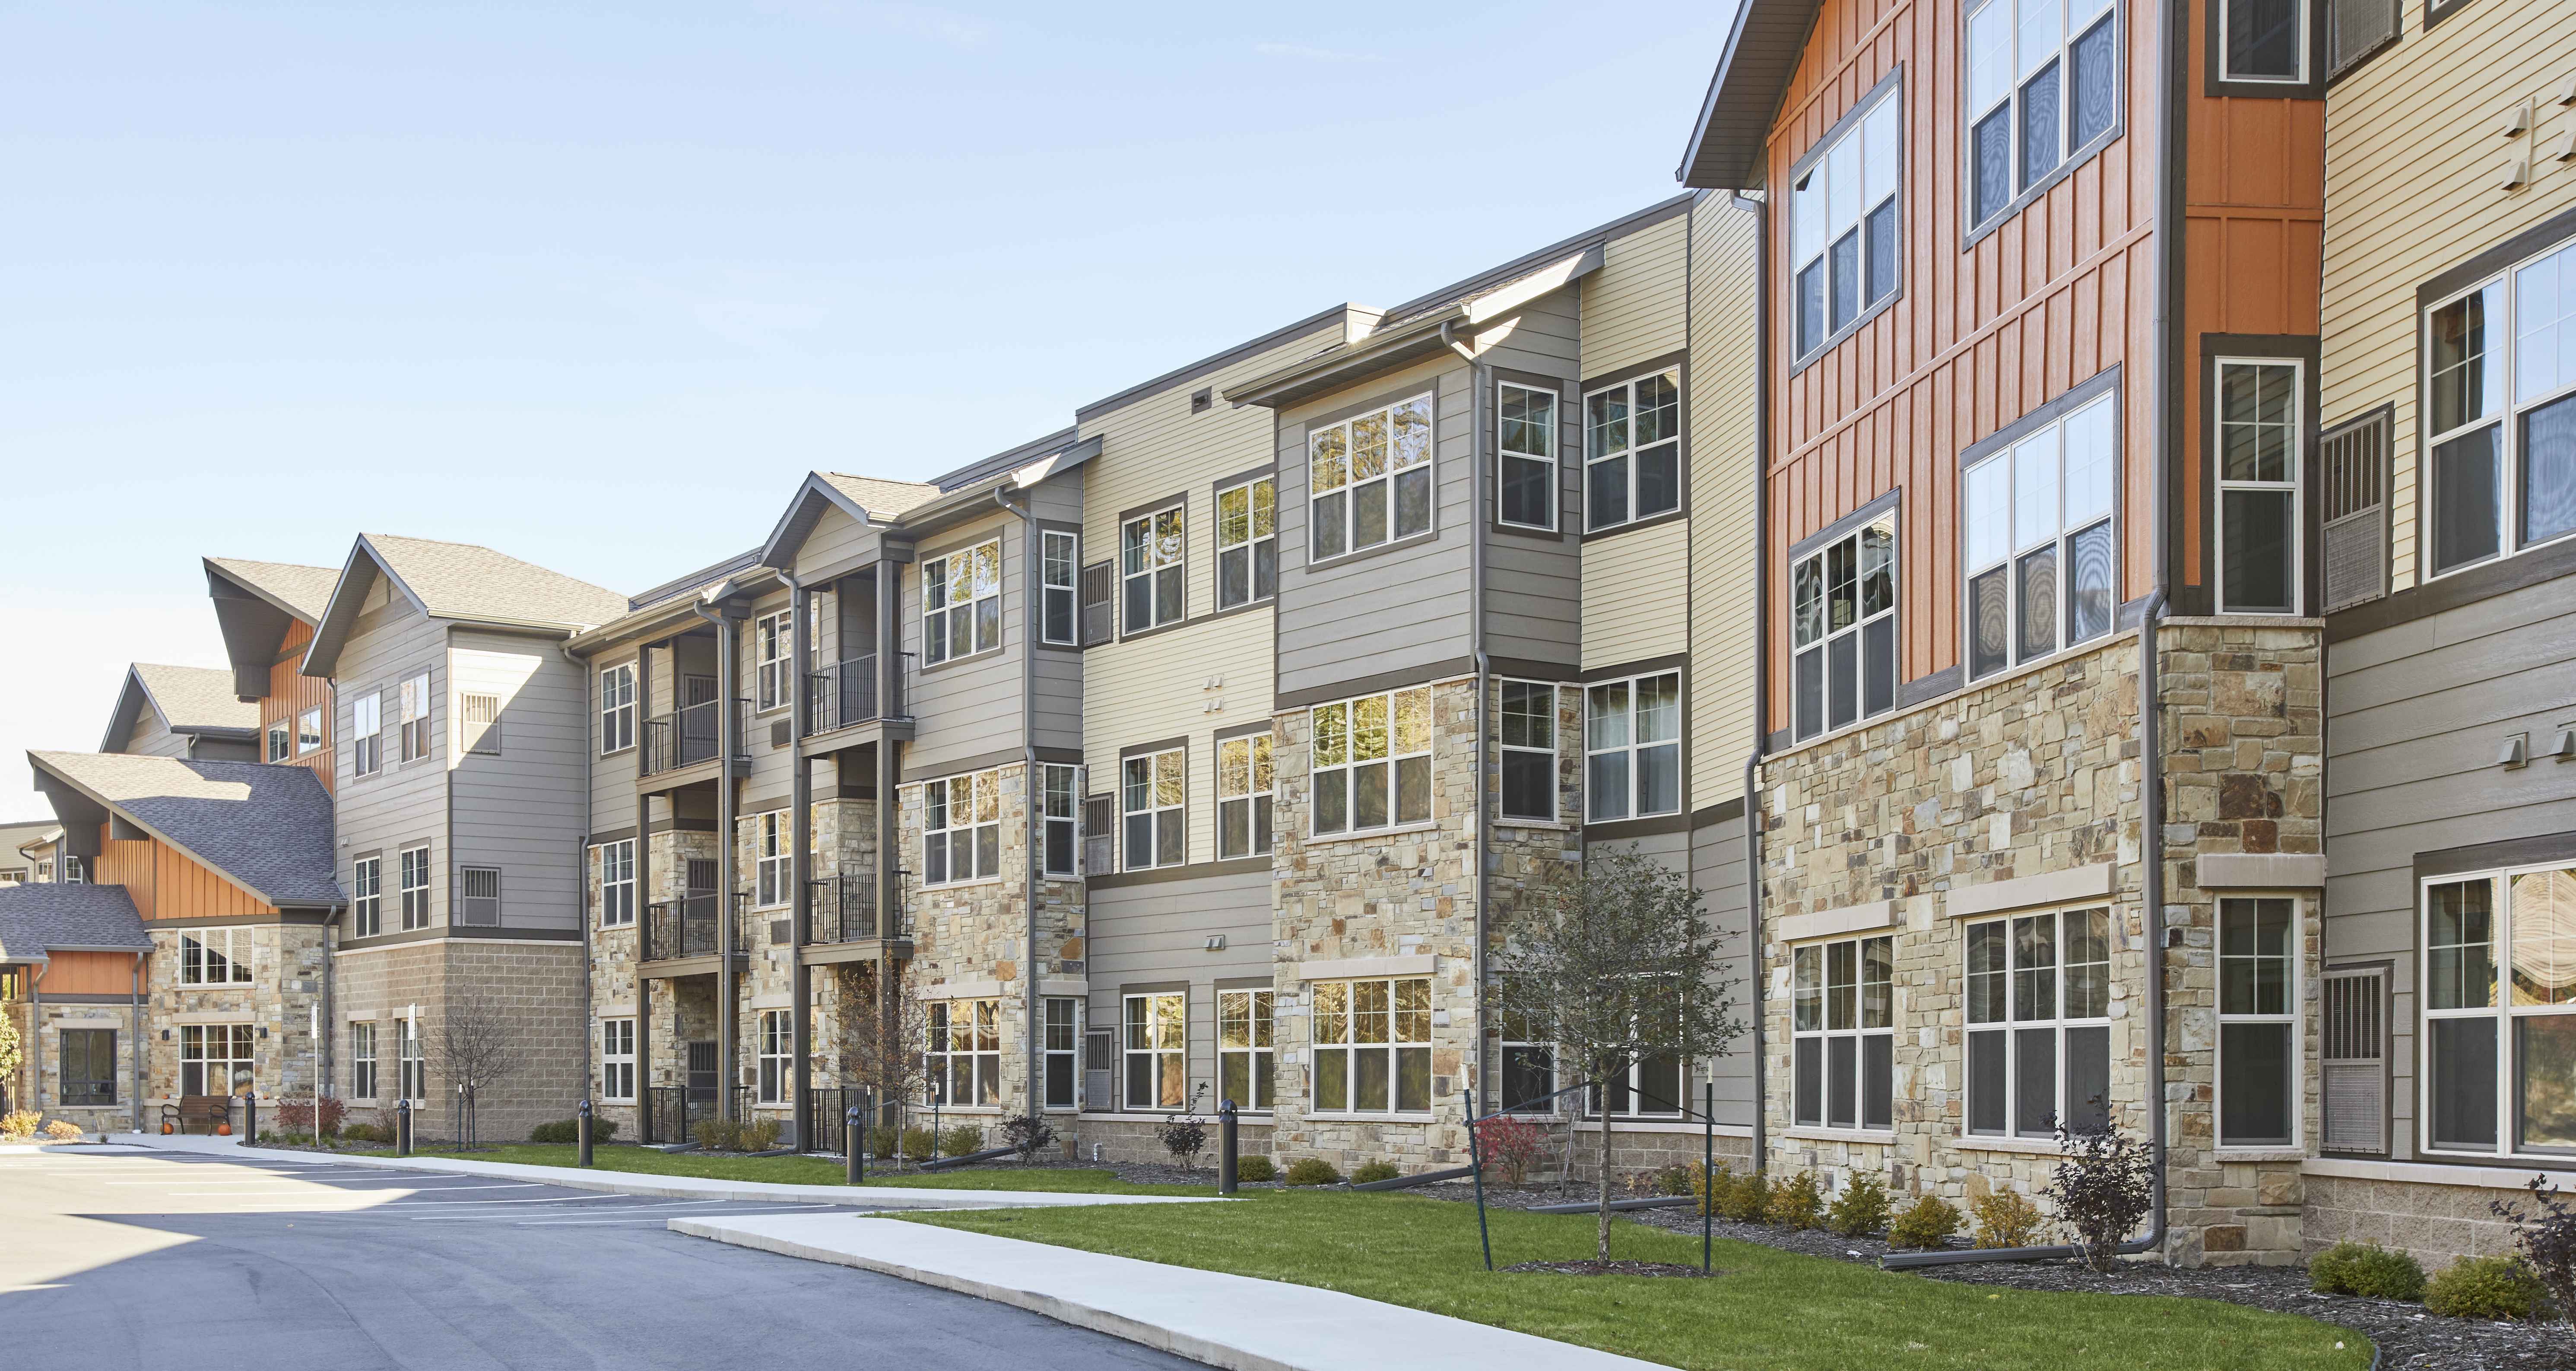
250, 1118
854, 1145
581, 1130
402, 1127
1225, 1154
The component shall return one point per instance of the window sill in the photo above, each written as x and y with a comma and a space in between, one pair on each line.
1882, 1136
2038, 1147
945, 663
1427, 826
1507, 821
1370, 1118
928, 889
612, 752
2225, 1154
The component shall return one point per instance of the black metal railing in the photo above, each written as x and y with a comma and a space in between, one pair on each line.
841, 694
671, 1112
688, 736
691, 926
844, 910
829, 1107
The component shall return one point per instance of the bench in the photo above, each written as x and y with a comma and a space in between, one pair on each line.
198, 1113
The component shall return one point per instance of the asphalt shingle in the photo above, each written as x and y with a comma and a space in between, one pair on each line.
268, 827
38, 919
304, 590
194, 697
463, 581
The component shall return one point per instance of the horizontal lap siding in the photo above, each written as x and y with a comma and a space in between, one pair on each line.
150, 738
290, 693
772, 771
837, 538
1157, 934
522, 810
1533, 605
1717, 872
1632, 307
1724, 460
1636, 595
965, 708
401, 804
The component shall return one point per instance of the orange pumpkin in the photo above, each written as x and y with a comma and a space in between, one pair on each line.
169, 1128
223, 1130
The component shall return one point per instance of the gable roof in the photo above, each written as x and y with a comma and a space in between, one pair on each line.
22, 833
303, 591
39, 919
458, 581
265, 828
1762, 51
913, 504
189, 699
257, 604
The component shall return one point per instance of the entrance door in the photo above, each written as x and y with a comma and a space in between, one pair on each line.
702, 1072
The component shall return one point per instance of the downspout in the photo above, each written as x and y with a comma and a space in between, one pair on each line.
1484, 669
590, 930
36, 1025
728, 841
135, 1010
1031, 837
1761, 659
800, 864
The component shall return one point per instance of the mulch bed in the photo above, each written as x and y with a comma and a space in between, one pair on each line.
1611, 1269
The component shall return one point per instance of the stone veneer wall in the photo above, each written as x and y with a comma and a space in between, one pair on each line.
286, 982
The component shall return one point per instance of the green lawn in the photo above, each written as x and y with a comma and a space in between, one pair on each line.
812, 1170
1770, 1311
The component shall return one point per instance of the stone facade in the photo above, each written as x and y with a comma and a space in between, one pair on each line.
287, 968
2436, 1224
534, 986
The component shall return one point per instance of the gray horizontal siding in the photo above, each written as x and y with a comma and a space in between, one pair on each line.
1157, 932
403, 803
522, 810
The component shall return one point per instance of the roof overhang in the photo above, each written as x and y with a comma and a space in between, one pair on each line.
1734, 126
977, 495
82, 810
357, 581
803, 513
254, 624
137, 696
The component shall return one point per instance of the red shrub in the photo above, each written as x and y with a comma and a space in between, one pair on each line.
1510, 1145
296, 1116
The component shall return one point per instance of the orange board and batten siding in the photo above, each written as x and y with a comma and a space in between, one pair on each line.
88, 973
290, 693
168, 884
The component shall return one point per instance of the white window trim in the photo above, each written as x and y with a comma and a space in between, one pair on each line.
2010, 563
1554, 751
617, 1049
1258, 753
947, 563
363, 1065
1315, 1046
1255, 1054
278, 744
367, 733
2500, 357
938, 1062
1250, 543
1859, 1033
1071, 590
1592, 459
772, 672
1127, 1052
1349, 766
2295, 982
1630, 748
613, 866
304, 748
976, 781
1153, 809
1430, 402
2070, 154
774, 1060
2307, 40
1818, 162
1154, 564
1554, 459
616, 709
773, 859
2500, 1011
367, 896
426, 916
2008, 1025
2296, 485
416, 699
233, 942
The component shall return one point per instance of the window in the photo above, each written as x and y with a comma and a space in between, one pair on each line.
1157, 1051
2258, 1021
1632, 749
1368, 478
961, 828
362, 1061
613, 869
1059, 561
1372, 762
2043, 84
281, 740
1247, 543
1062, 815
1842, 224
411, 1070
1843, 630
617, 708
2503, 473
2259, 451
1063, 1032
215, 956
961, 603
773, 858
308, 732
777, 1055
88, 1065
773, 647
1151, 552
1153, 791
2501, 1060
1529, 750
415, 718
2267, 40
1243, 779
617, 1059
413, 875
1243, 1064
1529, 1069
75, 871
367, 734
1632, 450
367, 897
2041, 558
1843, 1033
214, 1058
1650, 1087
2039, 1034
478, 896
965, 1060
1372, 1046
1525, 444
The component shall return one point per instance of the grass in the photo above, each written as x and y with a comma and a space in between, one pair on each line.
1770, 1310
810, 1170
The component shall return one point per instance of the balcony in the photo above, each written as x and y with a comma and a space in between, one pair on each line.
854, 691
691, 735
844, 910
691, 927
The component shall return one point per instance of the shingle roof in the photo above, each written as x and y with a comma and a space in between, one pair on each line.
196, 697
463, 581
37, 919
268, 827
882, 499
305, 591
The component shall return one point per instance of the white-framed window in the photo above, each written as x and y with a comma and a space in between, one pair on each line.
965, 1056
1243, 1051
2503, 474
2500, 1060
961, 603
214, 1058
1247, 542
777, 1060
617, 1059
1157, 1051
75, 871
1525, 455
367, 734
1372, 1046
1842, 223
1059, 577
308, 732
1843, 629
1372, 762
1062, 799
613, 868
215, 956
281, 740
2259, 445
366, 897
362, 1061
617, 708
2258, 1021
1243, 786
1843, 1033
1153, 552
1529, 1070
1632, 450
2039, 1023
415, 718
773, 853
1632, 747
1529, 750
773, 665
2265, 40
1063, 1038
411, 1069
1153, 795
1368, 479
1650, 1088
412, 876
2043, 86
2042, 552
961, 828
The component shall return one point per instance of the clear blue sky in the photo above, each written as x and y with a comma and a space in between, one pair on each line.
596, 285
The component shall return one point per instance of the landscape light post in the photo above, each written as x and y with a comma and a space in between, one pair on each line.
1225, 1180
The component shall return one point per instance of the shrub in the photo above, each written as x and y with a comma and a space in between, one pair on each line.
920, 1144
2102, 1188
2483, 1288
884, 1140
1510, 1145
20, 1125
1027, 1133
718, 1135
2005, 1219
1795, 1203
1375, 1171
758, 1136
1186, 1136
1746, 1198
568, 1131
2547, 1237
962, 1139
296, 1116
1711, 1194
1928, 1222
365, 1133
1255, 1168
2367, 1270
1313, 1171
1861, 1208
1675, 1179
64, 1130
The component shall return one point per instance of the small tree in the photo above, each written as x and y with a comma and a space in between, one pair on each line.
2104, 1185
9, 1053
1028, 1133
2547, 1237
474, 1048
1614, 967
884, 1046
1185, 1136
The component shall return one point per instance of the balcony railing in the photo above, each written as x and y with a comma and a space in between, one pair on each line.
844, 910
691, 926
829, 1107
841, 694
686, 737
672, 1112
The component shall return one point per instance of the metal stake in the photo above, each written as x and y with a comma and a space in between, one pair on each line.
1225, 1147
1476, 1159
1707, 1169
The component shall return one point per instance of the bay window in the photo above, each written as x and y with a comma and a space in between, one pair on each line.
1372, 1046
961, 603
2041, 550
1843, 628
2039, 1023
2503, 472
1632, 465
1842, 222
2043, 87
1843, 1033
1525, 448
1368, 478
1632, 749
1372, 762
2500, 1059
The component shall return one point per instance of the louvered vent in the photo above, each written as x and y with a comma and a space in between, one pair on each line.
1099, 602
2355, 1072
1099, 837
482, 717
2356, 29
1097, 1070
2353, 507
478, 903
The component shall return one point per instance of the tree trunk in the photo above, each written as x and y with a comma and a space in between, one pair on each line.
1604, 1236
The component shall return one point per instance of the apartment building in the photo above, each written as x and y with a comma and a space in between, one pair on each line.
17, 865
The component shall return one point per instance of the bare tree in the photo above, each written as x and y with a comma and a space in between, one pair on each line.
474, 1048
1614, 967
884, 1046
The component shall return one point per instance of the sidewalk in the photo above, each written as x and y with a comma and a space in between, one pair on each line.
660, 1187
1236, 1322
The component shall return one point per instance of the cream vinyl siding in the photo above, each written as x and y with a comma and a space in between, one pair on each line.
151, 738
772, 768
1724, 309
1636, 597
1632, 307
520, 809
837, 543
2412, 156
